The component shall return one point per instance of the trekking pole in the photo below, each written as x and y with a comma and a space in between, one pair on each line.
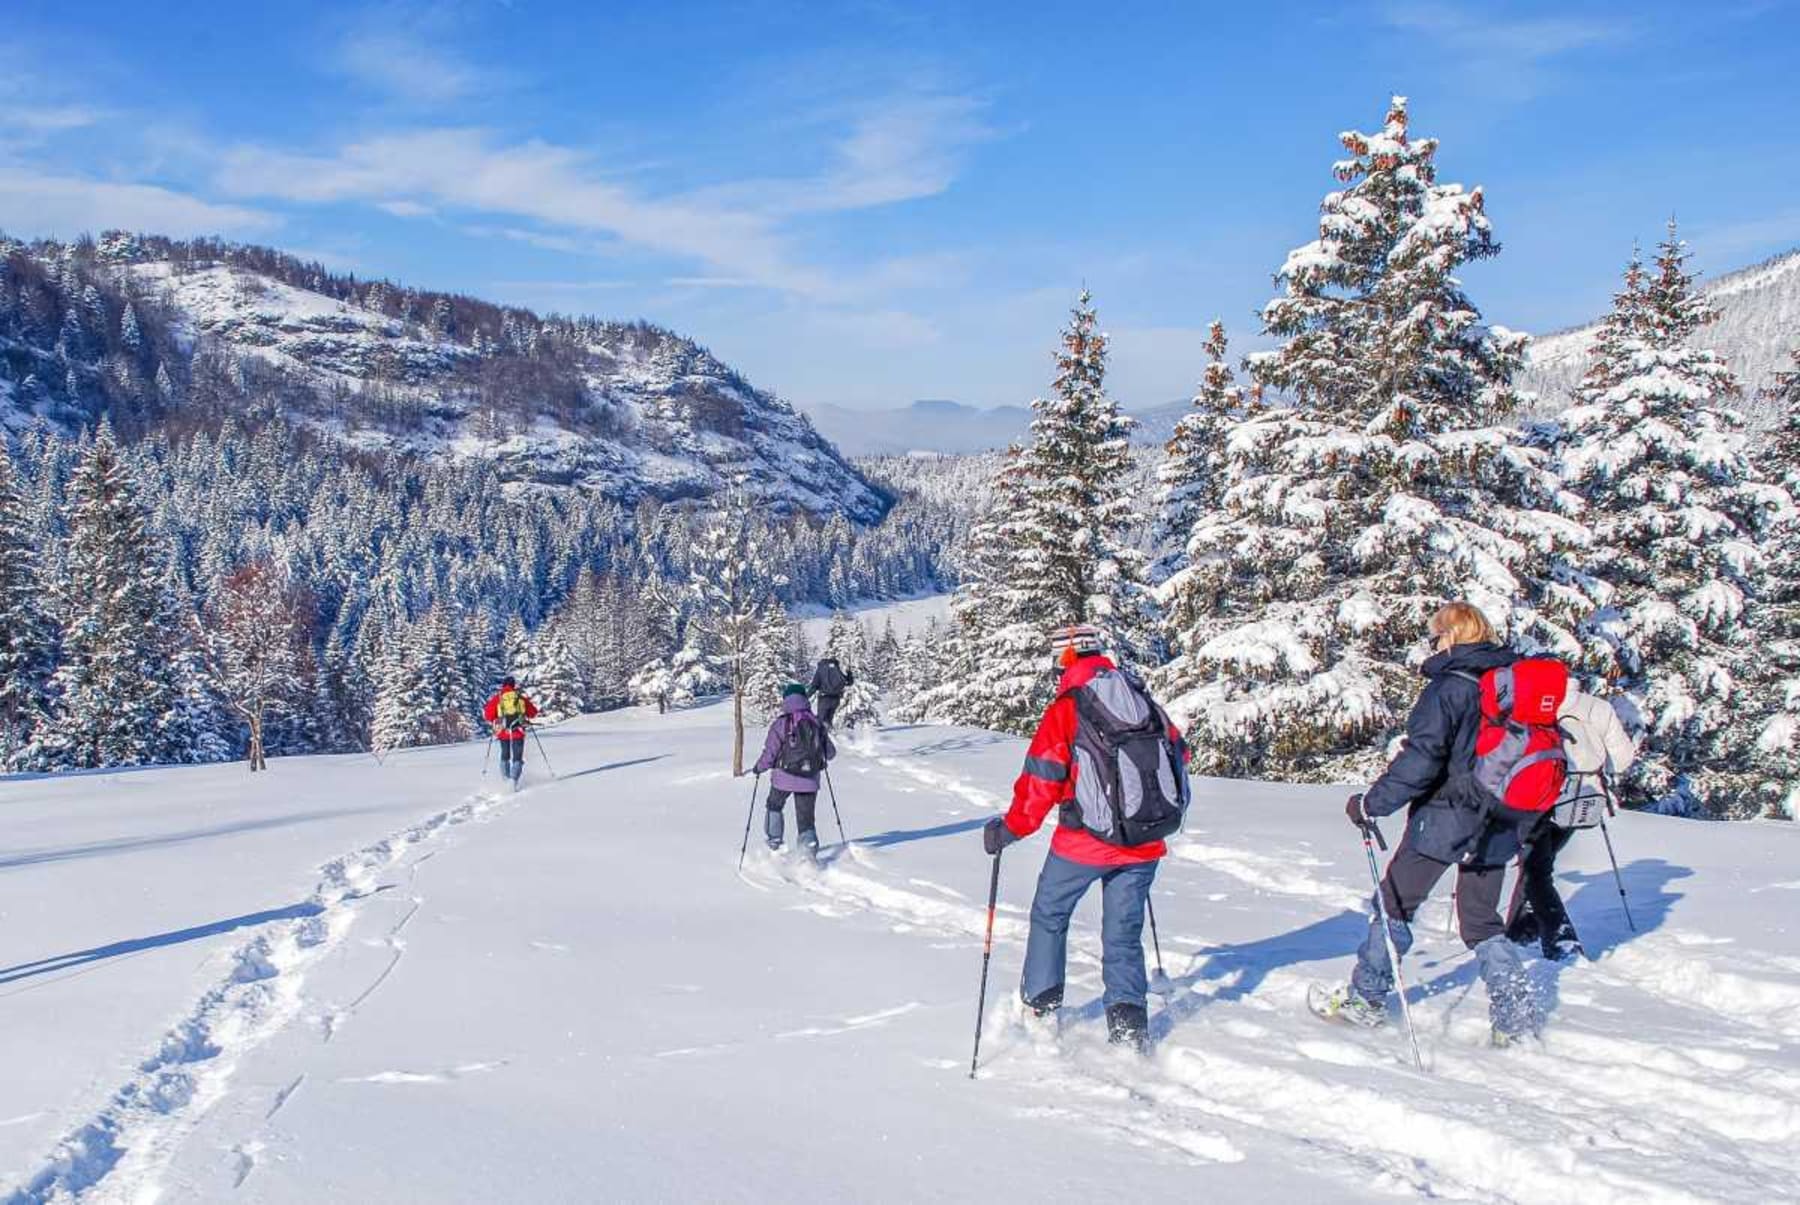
834, 807
1371, 836
748, 817
487, 754
987, 955
1617, 877
540, 744
1162, 976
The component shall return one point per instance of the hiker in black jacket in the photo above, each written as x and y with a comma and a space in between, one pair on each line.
829, 682
1443, 830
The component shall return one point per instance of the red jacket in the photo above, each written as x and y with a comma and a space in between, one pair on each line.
492, 714
1049, 780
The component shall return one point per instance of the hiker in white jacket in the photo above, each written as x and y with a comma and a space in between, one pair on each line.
1599, 748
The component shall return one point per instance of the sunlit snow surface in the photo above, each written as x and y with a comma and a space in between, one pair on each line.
338, 981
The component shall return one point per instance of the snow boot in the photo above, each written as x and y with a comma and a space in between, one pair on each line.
1563, 944
1524, 929
809, 841
1128, 1025
1046, 1004
1346, 1006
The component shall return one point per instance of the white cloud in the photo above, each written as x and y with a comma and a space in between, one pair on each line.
1510, 55
408, 66
37, 203
405, 209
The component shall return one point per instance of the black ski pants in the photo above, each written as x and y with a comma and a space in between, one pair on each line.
1411, 876
828, 705
1536, 897
512, 752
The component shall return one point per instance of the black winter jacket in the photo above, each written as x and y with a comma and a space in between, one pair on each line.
1440, 741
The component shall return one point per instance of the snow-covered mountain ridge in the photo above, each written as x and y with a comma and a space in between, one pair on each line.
149, 331
1757, 330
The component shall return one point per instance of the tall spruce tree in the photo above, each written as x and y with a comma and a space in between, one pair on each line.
113, 688
26, 653
1778, 610
1675, 507
1382, 490
1053, 548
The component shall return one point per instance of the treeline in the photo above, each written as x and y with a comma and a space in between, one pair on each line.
177, 598
1377, 465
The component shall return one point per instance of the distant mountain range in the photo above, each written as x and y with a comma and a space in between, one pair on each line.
151, 331
1758, 327
953, 428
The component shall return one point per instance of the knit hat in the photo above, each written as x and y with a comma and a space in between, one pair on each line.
791, 689
1077, 640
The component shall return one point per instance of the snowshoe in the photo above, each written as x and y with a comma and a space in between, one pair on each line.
774, 845
1345, 1006
1128, 1025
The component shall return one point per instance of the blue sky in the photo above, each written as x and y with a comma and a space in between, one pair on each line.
868, 203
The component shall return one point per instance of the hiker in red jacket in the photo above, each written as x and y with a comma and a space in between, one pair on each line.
508, 710
1110, 824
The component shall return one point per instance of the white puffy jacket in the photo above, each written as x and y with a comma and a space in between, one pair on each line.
1597, 740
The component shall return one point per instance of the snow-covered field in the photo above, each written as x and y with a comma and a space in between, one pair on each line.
338, 981
909, 617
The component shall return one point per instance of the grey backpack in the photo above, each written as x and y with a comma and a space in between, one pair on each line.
1131, 783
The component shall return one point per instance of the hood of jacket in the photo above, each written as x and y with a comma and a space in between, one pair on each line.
1474, 659
795, 705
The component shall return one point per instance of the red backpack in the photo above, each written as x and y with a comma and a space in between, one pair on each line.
1520, 763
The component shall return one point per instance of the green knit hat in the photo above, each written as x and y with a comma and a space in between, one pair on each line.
792, 688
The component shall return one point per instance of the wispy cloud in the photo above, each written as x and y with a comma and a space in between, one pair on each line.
1510, 53
34, 202
1729, 242
404, 53
897, 151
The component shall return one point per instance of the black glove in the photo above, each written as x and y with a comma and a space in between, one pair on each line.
1353, 808
995, 836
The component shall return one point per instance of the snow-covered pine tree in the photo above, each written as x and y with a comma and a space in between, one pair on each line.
1382, 491
849, 643
113, 687
1189, 480
1777, 615
1675, 508
768, 670
26, 651
550, 678
1052, 549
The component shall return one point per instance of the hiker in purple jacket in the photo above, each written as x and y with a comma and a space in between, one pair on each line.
794, 755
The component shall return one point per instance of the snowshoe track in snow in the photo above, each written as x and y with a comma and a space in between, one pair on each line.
117, 1154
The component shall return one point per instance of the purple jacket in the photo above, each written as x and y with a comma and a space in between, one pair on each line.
794, 710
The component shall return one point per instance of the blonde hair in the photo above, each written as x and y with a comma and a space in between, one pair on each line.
1463, 623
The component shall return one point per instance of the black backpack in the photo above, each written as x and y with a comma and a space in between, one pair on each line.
831, 679
1131, 783
803, 751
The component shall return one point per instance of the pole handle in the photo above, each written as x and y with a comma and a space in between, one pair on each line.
1371, 829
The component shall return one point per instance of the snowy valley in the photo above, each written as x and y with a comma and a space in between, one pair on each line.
358, 982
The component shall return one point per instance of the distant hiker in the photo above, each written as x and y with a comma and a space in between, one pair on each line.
829, 682
1108, 759
508, 710
794, 755
1598, 748
1444, 828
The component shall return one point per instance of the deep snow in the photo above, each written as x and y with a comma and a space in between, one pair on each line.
349, 982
